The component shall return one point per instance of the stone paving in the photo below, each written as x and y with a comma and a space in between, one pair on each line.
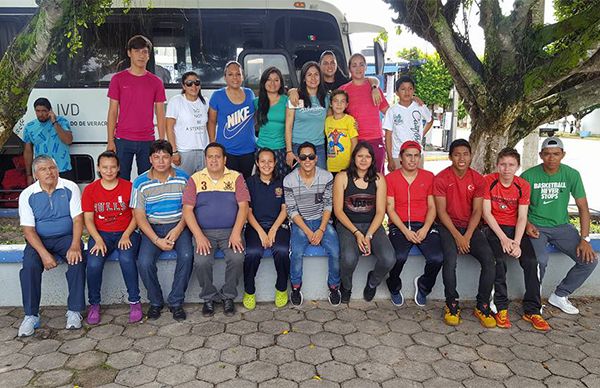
317, 345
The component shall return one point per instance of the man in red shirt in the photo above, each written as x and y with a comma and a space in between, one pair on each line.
458, 192
505, 206
411, 210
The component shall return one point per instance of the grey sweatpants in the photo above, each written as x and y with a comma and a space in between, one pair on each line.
565, 238
219, 239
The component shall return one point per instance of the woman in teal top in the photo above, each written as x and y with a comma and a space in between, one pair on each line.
306, 122
270, 116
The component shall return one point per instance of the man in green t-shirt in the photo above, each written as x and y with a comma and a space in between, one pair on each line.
552, 185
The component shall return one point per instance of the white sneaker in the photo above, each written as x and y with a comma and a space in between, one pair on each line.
28, 326
563, 303
73, 320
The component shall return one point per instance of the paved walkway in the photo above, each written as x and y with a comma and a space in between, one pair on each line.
365, 345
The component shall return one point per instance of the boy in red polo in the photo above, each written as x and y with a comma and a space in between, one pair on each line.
505, 206
411, 209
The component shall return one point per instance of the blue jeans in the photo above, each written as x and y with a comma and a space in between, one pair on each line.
148, 256
298, 244
321, 154
31, 275
127, 261
126, 150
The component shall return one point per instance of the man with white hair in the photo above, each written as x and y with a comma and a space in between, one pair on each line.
52, 221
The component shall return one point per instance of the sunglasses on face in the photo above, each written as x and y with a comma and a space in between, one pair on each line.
190, 83
303, 157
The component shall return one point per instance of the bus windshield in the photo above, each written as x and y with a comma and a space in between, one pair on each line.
202, 40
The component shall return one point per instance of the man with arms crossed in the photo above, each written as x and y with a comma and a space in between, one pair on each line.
458, 192
552, 184
135, 95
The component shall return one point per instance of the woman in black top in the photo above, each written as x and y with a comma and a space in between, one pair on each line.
267, 229
359, 196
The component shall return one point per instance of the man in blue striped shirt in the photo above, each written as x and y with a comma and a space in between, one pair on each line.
156, 198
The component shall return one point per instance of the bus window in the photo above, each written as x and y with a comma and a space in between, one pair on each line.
255, 64
11, 25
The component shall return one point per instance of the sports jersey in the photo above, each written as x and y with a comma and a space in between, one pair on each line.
410, 200
459, 193
45, 141
505, 201
110, 207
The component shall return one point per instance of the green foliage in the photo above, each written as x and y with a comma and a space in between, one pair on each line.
78, 16
433, 81
411, 54
594, 225
567, 8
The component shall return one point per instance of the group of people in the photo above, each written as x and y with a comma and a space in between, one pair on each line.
320, 158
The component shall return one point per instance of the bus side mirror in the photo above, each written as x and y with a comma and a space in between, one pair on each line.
379, 55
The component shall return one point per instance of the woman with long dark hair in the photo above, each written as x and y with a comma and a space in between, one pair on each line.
306, 122
187, 116
268, 228
359, 203
270, 116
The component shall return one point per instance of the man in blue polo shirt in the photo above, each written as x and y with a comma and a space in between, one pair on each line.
215, 209
50, 135
52, 221
156, 199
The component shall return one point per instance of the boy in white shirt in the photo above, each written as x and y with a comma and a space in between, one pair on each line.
406, 120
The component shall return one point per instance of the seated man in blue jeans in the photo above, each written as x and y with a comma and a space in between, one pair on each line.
308, 197
52, 221
156, 198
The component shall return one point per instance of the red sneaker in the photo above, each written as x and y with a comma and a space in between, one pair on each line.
502, 319
537, 321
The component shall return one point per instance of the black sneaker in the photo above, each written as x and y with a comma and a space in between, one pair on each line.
334, 296
296, 296
228, 307
346, 294
208, 310
178, 313
154, 312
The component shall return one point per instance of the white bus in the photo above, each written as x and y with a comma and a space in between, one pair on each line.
187, 35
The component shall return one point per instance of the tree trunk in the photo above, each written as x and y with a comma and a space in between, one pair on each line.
25, 58
486, 141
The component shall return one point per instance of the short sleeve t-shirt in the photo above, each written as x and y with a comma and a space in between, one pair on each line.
410, 200
45, 141
459, 193
360, 106
406, 123
550, 194
137, 96
272, 134
309, 123
190, 122
235, 122
505, 201
110, 207
265, 199
339, 146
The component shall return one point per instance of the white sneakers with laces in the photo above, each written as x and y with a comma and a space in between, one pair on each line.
28, 326
73, 320
563, 303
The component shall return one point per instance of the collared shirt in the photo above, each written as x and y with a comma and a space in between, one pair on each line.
51, 214
45, 141
215, 202
161, 201
265, 199
308, 202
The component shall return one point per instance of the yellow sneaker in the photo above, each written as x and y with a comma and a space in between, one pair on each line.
503, 320
249, 301
281, 298
485, 316
452, 314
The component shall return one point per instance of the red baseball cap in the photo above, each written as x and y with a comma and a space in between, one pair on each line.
410, 144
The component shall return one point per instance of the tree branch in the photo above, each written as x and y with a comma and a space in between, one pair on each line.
576, 24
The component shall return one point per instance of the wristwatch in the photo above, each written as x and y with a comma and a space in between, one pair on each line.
369, 236
587, 238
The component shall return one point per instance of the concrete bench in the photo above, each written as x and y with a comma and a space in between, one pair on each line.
314, 279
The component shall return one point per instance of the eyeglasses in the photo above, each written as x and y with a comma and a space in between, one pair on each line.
303, 157
190, 83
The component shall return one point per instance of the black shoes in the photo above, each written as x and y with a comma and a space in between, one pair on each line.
296, 296
334, 296
345, 294
369, 292
208, 310
154, 312
178, 313
228, 307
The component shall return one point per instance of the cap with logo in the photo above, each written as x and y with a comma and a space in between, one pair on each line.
410, 144
553, 142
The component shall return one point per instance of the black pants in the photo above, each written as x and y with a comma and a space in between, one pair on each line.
531, 300
255, 251
241, 163
480, 250
430, 247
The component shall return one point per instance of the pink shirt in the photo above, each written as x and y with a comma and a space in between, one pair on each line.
360, 106
136, 96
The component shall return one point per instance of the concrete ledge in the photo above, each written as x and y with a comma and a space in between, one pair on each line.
54, 287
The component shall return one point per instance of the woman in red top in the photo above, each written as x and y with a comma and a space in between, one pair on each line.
111, 225
411, 210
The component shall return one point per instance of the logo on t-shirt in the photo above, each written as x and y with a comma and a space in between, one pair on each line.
236, 122
471, 187
278, 192
228, 186
549, 191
